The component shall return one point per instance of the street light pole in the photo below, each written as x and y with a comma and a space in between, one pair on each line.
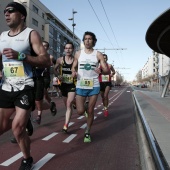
73, 24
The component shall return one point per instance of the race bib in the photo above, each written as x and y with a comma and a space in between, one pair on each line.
13, 69
105, 78
67, 78
86, 83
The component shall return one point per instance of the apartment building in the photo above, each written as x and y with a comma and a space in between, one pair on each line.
157, 66
50, 28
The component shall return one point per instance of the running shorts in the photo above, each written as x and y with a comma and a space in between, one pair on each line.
66, 88
46, 82
103, 85
23, 99
39, 88
87, 92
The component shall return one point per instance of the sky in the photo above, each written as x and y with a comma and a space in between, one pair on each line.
117, 24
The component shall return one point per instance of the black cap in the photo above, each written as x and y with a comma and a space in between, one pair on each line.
19, 7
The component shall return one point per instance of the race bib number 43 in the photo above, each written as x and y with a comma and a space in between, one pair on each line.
86, 83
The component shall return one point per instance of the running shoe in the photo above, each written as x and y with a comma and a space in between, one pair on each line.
64, 130
87, 138
85, 114
29, 128
37, 120
86, 105
106, 113
53, 108
13, 140
74, 106
26, 164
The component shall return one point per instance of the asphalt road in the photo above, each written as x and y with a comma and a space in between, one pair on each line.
114, 143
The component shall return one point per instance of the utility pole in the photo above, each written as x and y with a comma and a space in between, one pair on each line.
73, 24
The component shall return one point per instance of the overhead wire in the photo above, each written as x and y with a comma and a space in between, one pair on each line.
100, 22
109, 23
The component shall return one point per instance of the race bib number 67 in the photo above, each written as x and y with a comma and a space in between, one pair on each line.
13, 69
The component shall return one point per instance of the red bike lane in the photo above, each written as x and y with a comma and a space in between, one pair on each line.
114, 143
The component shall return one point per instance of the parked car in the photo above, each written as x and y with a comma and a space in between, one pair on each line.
143, 86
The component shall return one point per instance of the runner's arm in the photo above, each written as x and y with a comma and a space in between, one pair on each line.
102, 62
112, 70
42, 59
75, 64
57, 67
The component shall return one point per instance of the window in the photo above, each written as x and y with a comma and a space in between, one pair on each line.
35, 9
51, 29
42, 27
34, 22
42, 15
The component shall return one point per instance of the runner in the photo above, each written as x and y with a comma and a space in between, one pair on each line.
42, 99
63, 71
87, 62
17, 89
105, 85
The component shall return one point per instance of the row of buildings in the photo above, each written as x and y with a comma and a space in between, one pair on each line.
156, 69
50, 28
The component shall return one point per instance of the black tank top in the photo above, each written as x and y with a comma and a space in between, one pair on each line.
66, 72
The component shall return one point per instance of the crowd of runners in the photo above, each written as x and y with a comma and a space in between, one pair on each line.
79, 77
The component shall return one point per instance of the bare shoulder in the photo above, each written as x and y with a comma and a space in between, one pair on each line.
35, 36
110, 65
60, 60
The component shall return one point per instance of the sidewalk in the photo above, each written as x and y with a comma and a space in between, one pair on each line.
157, 114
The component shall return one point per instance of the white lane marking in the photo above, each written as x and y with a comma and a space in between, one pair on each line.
95, 117
71, 123
67, 140
118, 95
49, 136
43, 161
128, 91
12, 159
95, 108
98, 105
99, 113
83, 126
81, 117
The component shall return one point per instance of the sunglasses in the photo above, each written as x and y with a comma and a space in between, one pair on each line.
10, 10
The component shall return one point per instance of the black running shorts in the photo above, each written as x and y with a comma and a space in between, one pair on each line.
66, 88
39, 88
46, 82
103, 85
23, 99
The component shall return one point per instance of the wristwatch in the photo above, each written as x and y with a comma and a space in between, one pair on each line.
21, 56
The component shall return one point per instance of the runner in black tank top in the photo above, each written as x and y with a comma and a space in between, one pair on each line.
63, 71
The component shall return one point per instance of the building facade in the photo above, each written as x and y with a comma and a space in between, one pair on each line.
157, 67
50, 28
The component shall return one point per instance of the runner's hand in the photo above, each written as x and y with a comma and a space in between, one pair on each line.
74, 74
97, 70
10, 53
60, 77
